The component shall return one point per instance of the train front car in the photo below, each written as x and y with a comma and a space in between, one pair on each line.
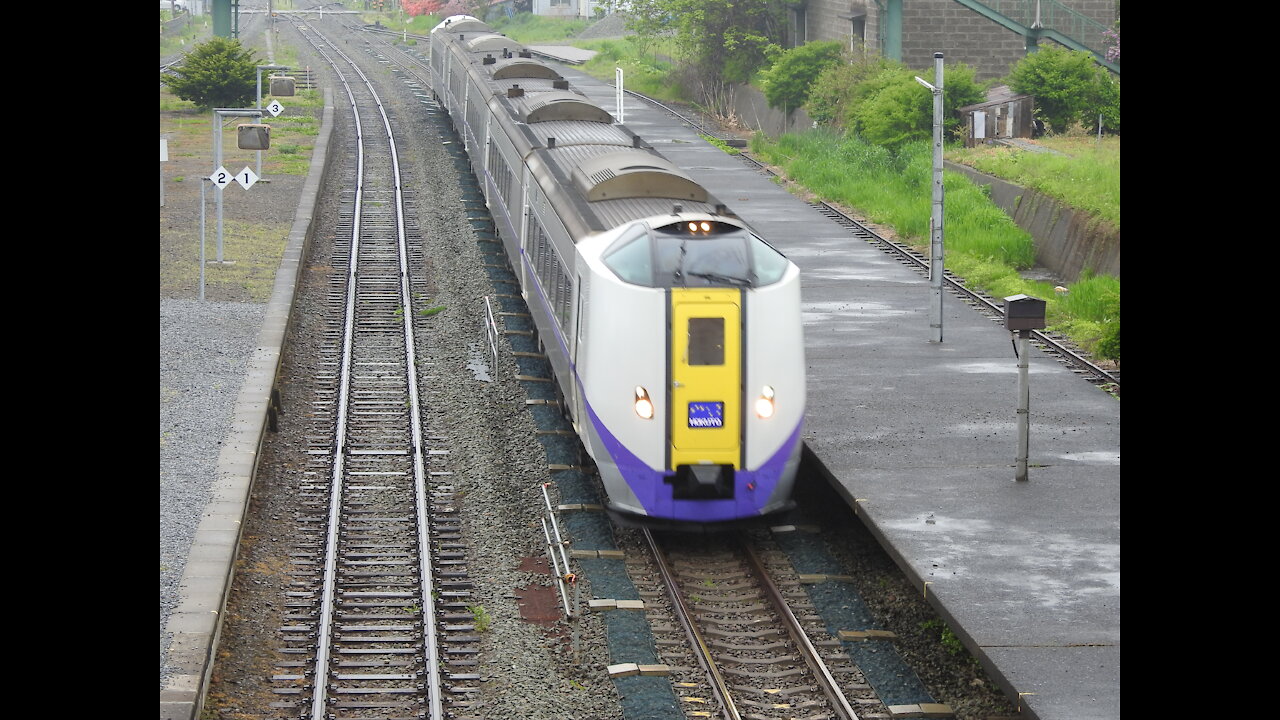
692, 364
673, 331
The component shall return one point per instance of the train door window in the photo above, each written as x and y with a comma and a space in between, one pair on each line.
706, 341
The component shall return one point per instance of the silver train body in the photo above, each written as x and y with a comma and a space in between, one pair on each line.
673, 330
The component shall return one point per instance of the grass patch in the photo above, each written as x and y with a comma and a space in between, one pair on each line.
721, 144
645, 73
983, 245
399, 21
1086, 176
530, 29
255, 248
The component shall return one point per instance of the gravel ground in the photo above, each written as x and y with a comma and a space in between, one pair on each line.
204, 351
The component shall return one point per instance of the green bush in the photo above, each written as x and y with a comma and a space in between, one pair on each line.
218, 73
1068, 87
902, 110
840, 88
786, 83
1109, 346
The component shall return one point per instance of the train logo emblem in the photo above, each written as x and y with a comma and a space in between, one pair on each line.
706, 414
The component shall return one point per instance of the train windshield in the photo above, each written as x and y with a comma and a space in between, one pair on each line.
705, 254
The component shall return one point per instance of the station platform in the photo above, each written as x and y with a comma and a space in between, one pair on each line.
920, 437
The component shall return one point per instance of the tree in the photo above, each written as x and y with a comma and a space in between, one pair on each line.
902, 109
724, 42
217, 73
841, 88
1068, 87
788, 81
414, 8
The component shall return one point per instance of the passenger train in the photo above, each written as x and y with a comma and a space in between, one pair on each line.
673, 330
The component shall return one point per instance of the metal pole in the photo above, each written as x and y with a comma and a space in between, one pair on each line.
1024, 405
217, 157
217, 163
202, 203
936, 265
258, 106
618, 80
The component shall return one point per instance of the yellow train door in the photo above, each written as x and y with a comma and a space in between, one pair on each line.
706, 376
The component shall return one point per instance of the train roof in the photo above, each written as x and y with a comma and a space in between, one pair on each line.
490, 42
461, 23
598, 174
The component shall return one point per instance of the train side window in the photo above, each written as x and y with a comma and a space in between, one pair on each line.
706, 341
631, 258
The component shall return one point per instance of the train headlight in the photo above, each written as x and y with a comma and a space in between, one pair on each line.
643, 405
764, 403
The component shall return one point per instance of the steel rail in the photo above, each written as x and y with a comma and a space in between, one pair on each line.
319, 696
428, 614
719, 688
826, 680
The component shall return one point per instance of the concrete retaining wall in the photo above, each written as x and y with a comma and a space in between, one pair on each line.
1067, 241
753, 111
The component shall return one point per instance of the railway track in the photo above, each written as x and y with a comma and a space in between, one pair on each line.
380, 593
742, 644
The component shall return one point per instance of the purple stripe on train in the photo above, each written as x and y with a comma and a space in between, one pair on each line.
655, 495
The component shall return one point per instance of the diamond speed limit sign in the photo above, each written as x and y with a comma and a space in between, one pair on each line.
246, 178
221, 178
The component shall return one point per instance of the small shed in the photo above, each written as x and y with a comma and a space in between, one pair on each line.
1004, 114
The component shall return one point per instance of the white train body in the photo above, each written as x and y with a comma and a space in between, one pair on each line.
673, 330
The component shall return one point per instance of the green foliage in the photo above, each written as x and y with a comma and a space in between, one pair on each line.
218, 73
722, 42
840, 88
1068, 87
949, 641
721, 144
881, 100
892, 187
901, 111
530, 29
786, 83
483, 620
1107, 91
1109, 345
644, 73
